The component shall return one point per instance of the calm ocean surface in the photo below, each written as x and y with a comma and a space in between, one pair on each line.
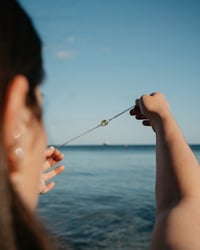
104, 199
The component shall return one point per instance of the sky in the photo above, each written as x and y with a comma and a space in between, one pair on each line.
101, 55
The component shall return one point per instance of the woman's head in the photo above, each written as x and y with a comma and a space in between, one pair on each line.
21, 129
22, 134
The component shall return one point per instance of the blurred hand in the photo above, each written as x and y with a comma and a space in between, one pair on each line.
53, 156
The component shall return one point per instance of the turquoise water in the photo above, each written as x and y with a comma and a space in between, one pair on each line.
104, 199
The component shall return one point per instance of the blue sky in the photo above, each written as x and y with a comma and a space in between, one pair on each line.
100, 55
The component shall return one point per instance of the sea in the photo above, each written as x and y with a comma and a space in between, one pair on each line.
104, 199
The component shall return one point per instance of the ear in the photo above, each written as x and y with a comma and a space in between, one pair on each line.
15, 109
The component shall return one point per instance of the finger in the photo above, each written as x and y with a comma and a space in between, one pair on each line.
54, 153
140, 104
53, 160
146, 123
59, 169
48, 187
57, 155
137, 102
49, 151
135, 110
53, 173
140, 117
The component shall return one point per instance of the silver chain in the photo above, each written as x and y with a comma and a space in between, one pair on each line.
103, 123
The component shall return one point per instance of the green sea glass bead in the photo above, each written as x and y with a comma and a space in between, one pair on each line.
104, 123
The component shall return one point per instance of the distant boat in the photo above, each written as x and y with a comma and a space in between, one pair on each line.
106, 143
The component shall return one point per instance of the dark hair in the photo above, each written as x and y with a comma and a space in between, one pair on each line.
20, 54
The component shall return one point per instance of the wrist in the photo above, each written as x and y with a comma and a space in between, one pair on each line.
162, 121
